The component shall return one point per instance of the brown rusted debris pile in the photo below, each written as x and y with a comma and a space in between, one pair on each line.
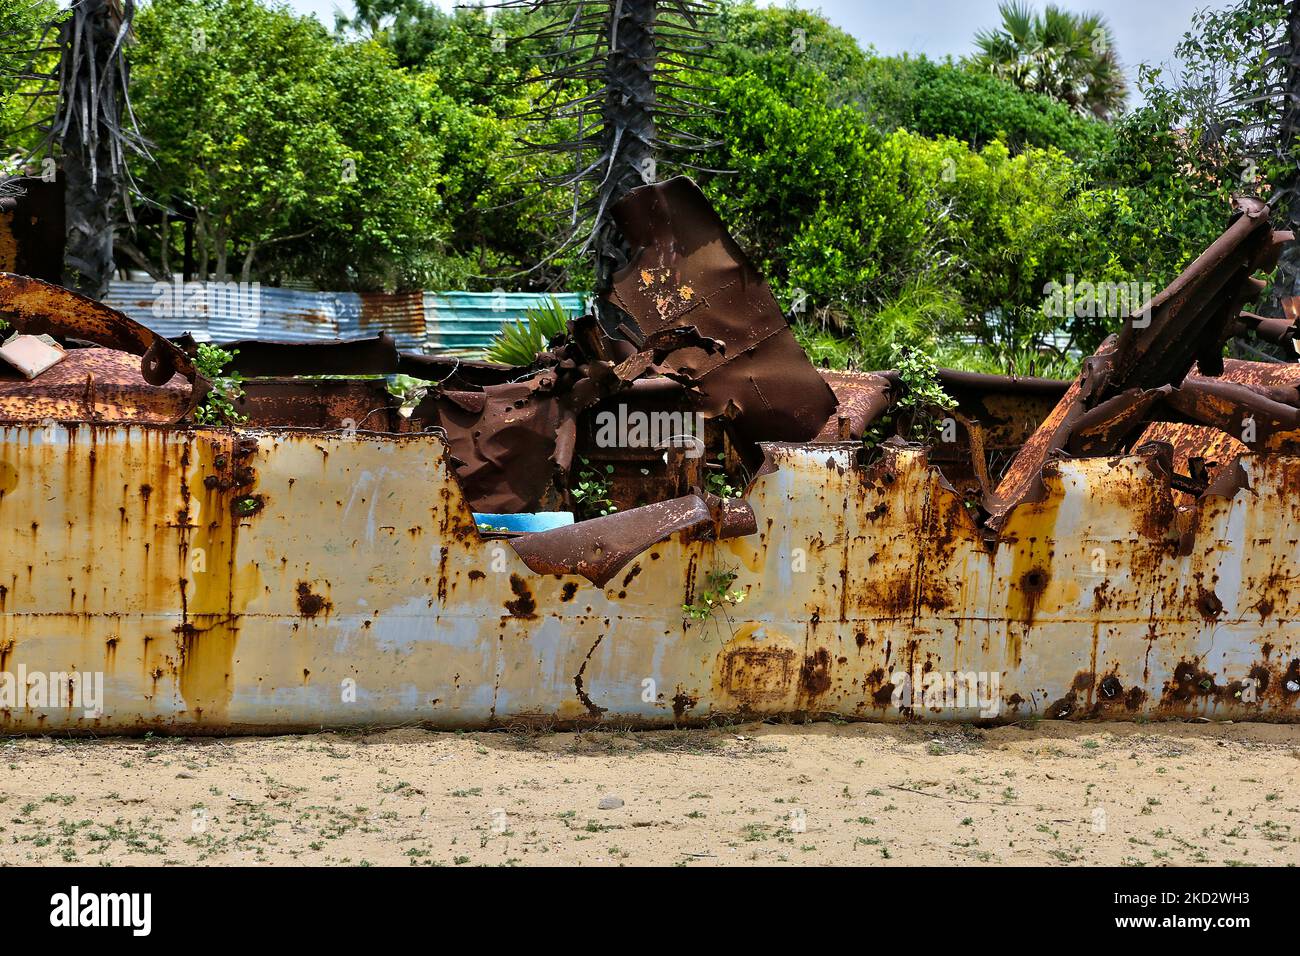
1145, 375
132, 374
699, 334
711, 338
703, 330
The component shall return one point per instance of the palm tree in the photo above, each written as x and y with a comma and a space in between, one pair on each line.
370, 17
1067, 56
95, 130
611, 74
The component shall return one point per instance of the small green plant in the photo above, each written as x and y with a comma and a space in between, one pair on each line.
218, 408
591, 494
519, 342
922, 394
716, 596
717, 483
409, 391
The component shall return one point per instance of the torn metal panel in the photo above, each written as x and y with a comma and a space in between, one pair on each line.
686, 270
514, 442
503, 439
996, 415
1187, 323
1277, 331
390, 586
1192, 318
1232, 408
332, 403
1265, 418
861, 398
1218, 449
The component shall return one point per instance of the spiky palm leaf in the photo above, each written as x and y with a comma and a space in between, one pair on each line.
519, 342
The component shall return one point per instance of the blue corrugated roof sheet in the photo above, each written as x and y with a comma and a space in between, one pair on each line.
419, 321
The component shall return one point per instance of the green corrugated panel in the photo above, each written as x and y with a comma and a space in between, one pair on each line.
458, 321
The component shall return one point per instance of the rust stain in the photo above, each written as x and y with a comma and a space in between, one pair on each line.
815, 673
310, 604
523, 604
683, 702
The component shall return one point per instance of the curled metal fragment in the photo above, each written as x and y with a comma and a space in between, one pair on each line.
687, 271
94, 385
599, 548
35, 308
1186, 324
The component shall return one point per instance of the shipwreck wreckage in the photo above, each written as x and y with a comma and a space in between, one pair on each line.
337, 561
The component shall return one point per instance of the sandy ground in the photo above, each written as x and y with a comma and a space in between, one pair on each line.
813, 794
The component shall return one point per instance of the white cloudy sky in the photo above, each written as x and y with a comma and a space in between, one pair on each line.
1145, 30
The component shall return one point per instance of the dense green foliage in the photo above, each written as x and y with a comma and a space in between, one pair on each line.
23, 26
946, 99
311, 154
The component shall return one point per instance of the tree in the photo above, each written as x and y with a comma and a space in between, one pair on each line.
94, 130
423, 36
818, 197
299, 154
609, 103
499, 219
784, 45
372, 17
1237, 100
976, 107
27, 61
1069, 57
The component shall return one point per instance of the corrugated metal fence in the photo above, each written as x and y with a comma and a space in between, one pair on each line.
419, 321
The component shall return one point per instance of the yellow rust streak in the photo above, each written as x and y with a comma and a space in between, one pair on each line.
216, 589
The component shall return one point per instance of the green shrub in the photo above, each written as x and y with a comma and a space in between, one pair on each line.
951, 99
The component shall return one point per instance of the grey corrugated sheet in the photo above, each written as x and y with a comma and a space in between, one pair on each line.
428, 321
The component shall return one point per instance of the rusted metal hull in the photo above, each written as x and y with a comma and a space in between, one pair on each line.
242, 581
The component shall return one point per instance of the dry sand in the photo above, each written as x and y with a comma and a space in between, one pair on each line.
812, 794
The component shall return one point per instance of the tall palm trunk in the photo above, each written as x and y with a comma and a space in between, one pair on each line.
608, 70
88, 127
628, 123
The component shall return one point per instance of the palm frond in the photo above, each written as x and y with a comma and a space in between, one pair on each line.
518, 343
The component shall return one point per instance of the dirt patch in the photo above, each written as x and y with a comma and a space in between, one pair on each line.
1056, 794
